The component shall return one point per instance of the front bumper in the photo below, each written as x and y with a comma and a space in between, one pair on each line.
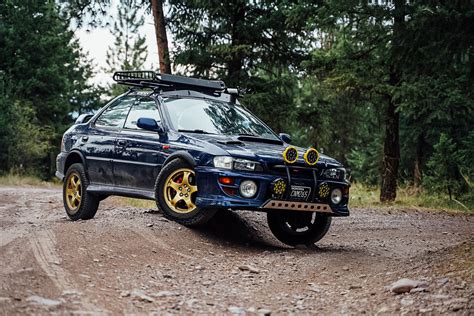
213, 194
60, 163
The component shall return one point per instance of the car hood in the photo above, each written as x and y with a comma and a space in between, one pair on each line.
255, 149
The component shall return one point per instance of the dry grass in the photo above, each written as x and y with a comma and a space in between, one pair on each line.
408, 197
17, 180
123, 201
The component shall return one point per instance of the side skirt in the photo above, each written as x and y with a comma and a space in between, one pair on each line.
127, 192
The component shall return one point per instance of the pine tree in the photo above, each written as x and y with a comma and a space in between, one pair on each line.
254, 45
129, 51
43, 81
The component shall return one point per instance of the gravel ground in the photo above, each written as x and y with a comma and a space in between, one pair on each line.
134, 261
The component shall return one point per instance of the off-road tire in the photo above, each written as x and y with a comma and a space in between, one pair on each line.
277, 223
199, 216
89, 201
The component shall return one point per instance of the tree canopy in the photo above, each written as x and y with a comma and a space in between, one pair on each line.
386, 87
43, 75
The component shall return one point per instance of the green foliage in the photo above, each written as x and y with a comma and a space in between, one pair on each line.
32, 140
255, 45
433, 60
324, 71
43, 78
465, 158
365, 162
129, 51
443, 167
450, 167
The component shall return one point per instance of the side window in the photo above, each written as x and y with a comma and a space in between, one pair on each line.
114, 116
146, 108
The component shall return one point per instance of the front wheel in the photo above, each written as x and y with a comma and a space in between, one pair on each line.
298, 228
176, 191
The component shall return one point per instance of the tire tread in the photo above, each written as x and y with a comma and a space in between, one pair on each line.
89, 203
200, 216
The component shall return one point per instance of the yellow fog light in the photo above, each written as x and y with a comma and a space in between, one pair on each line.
311, 156
290, 154
279, 186
324, 190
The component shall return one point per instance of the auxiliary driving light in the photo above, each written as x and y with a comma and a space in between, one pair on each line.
290, 154
248, 189
324, 190
311, 156
278, 187
336, 196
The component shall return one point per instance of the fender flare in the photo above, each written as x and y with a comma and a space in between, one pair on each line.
182, 155
75, 152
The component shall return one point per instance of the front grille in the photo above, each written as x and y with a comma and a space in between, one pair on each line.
295, 171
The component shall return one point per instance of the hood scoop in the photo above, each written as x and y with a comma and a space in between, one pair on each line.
231, 142
260, 140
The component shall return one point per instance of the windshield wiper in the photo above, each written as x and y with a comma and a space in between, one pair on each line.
249, 134
198, 131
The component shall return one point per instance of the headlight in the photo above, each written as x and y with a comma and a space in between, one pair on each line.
336, 196
335, 173
226, 162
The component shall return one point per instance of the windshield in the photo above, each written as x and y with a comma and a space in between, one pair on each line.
214, 117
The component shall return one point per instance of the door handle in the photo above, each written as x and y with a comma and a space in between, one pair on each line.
121, 142
85, 138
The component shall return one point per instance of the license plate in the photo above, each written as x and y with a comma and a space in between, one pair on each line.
299, 193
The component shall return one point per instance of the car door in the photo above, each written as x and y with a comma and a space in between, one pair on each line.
99, 143
139, 153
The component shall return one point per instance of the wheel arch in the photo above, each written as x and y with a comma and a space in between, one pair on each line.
72, 158
180, 155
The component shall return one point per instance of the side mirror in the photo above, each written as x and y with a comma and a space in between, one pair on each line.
149, 124
286, 138
83, 118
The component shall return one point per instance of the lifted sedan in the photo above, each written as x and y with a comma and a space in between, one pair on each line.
189, 145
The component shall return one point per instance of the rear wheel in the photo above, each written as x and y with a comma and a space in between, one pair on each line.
298, 228
176, 191
79, 204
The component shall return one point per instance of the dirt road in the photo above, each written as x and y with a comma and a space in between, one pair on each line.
134, 261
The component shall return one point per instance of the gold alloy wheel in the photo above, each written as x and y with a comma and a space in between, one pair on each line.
73, 192
178, 191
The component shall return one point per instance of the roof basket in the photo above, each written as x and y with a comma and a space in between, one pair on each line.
152, 79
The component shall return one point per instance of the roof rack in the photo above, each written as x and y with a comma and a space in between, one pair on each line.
152, 79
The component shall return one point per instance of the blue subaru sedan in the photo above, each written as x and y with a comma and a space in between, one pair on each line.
192, 147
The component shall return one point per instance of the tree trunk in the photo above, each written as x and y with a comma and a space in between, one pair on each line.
236, 62
418, 161
391, 157
161, 38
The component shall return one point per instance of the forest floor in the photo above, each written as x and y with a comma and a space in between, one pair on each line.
134, 261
